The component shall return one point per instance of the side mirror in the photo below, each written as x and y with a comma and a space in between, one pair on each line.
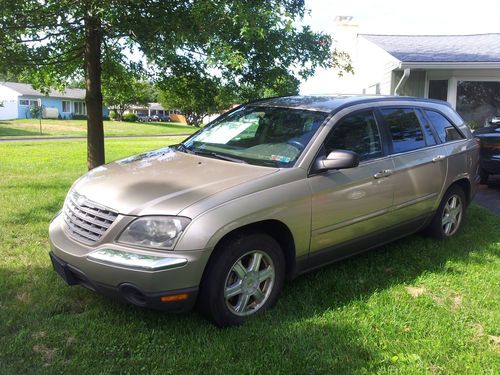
338, 159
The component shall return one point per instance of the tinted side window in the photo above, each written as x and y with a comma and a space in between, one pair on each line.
404, 128
445, 129
429, 136
357, 132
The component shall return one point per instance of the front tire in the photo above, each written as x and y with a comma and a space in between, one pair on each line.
243, 278
449, 215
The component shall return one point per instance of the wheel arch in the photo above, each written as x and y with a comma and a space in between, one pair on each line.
273, 228
465, 184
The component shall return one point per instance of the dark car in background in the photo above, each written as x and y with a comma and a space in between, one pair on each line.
489, 138
164, 118
142, 117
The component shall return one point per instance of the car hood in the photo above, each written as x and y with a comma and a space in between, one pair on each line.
163, 181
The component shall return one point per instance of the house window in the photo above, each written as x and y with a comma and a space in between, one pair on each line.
66, 106
28, 102
80, 108
478, 101
438, 89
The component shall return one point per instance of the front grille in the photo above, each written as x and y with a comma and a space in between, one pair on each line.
85, 220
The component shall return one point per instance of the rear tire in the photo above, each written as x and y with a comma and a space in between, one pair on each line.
243, 278
449, 215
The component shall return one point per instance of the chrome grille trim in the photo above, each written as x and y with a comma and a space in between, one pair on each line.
85, 220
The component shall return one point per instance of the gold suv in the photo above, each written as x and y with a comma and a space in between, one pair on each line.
266, 192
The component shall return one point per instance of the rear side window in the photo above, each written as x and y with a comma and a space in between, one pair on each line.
356, 132
404, 128
445, 129
429, 136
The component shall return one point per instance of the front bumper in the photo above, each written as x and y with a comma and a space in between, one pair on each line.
174, 300
172, 288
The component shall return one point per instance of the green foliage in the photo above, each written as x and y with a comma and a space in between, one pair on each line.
243, 46
473, 124
112, 115
196, 96
129, 117
75, 116
247, 45
122, 88
36, 111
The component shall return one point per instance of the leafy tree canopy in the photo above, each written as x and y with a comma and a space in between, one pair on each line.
196, 96
122, 89
243, 43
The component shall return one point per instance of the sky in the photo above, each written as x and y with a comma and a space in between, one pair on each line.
422, 17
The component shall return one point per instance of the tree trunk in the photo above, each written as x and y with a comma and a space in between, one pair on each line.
121, 113
93, 97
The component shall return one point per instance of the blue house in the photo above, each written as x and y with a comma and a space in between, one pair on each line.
17, 98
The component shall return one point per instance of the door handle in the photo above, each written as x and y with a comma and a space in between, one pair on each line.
384, 173
438, 158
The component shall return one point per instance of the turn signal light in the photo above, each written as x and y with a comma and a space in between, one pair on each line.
175, 297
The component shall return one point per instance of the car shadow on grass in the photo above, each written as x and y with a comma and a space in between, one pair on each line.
398, 263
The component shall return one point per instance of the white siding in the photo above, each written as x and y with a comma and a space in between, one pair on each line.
9, 99
374, 66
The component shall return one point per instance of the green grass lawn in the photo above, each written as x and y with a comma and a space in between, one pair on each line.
31, 128
413, 307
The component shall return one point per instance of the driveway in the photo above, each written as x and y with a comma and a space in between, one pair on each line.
488, 196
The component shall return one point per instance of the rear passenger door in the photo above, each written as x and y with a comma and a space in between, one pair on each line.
420, 164
453, 144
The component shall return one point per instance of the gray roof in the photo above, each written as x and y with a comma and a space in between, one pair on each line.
27, 89
440, 48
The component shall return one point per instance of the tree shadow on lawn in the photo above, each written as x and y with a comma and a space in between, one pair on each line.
297, 328
13, 132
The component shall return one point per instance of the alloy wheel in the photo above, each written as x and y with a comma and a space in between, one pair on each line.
452, 215
249, 283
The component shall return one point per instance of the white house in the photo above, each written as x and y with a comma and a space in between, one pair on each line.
461, 69
17, 98
151, 109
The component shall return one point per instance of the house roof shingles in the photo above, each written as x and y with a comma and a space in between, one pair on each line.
27, 89
440, 48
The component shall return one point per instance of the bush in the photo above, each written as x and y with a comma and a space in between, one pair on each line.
78, 117
129, 117
112, 115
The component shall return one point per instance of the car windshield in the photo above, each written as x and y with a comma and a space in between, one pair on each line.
257, 135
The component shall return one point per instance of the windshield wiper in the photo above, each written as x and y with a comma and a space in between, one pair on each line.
218, 156
183, 148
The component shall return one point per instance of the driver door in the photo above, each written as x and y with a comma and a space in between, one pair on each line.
353, 203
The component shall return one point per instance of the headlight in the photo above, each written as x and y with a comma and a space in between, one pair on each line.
154, 231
